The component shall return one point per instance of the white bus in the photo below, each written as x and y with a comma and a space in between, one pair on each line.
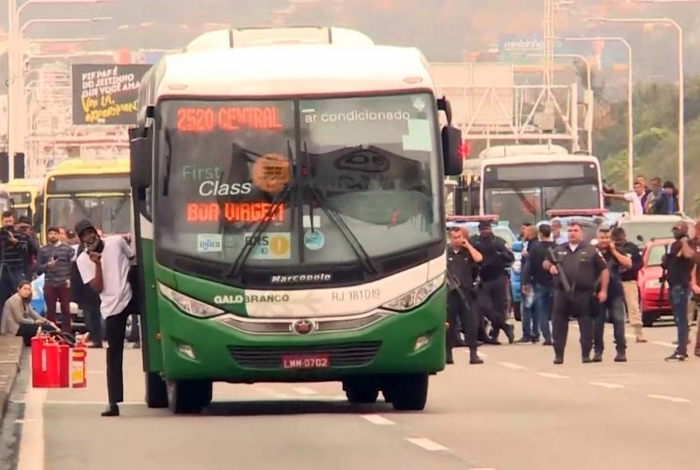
290, 222
523, 188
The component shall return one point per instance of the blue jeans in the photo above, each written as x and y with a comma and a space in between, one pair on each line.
679, 305
530, 329
613, 310
541, 307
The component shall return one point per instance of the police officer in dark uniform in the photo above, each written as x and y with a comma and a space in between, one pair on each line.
461, 260
581, 284
492, 295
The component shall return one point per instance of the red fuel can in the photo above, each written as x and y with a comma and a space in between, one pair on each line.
46, 368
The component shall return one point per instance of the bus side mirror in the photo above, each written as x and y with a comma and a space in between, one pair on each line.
140, 157
451, 150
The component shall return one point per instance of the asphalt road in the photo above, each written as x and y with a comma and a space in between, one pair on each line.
516, 412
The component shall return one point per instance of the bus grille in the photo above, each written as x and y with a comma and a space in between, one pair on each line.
270, 357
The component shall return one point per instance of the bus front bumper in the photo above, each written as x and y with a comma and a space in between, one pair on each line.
198, 349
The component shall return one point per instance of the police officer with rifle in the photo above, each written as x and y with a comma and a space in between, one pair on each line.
462, 259
581, 281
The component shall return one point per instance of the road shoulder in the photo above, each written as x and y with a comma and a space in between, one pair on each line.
11, 349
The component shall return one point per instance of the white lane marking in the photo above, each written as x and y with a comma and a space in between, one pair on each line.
663, 343
378, 420
668, 398
31, 448
552, 376
605, 385
510, 365
484, 355
304, 391
426, 444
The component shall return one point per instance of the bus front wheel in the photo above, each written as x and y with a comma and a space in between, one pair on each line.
361, 392
156, 391
189, 396
408, 392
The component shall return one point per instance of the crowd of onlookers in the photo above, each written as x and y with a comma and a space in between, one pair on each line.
22, 260
655, 198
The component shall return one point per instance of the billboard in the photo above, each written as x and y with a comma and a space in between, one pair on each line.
106, 94
481, 94
520, 44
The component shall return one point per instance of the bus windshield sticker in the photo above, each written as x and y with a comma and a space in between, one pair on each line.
271, 246
209, 243
271, 172
418, 137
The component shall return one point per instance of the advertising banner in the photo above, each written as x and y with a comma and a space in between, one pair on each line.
106, 94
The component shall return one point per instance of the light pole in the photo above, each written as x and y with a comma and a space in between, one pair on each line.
630, 96
59, 21
681, 92
16, 137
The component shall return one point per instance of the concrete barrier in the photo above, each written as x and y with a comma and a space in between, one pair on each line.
10, 356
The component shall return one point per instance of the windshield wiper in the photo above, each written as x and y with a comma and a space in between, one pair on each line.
79, 204
557, 196
275, 205
524, 200
259, 229
336, 218
117, 210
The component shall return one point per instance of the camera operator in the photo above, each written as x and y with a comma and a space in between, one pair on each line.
16, 251
492, 296
461, 260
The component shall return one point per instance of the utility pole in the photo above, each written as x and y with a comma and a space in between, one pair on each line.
548, 23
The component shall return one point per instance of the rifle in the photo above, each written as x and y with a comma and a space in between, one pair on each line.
562, 275
454, 284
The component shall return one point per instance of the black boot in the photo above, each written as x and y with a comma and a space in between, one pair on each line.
474, 358
448, 357
112, 410
558, 359
598, 356
621, 356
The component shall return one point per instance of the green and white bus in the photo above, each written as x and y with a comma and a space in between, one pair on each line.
291, 221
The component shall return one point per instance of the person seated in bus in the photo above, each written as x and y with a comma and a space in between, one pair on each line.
20, 319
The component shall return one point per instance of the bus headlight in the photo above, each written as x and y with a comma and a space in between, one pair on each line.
188, 304
517, 265
416, 297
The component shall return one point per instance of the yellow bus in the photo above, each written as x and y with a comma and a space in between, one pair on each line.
25, 194
99, 190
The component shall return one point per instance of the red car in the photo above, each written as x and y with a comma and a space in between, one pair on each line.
654, 297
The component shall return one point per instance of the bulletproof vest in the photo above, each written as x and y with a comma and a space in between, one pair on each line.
579, 266
459, 264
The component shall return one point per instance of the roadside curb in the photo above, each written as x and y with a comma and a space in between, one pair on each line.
11, 350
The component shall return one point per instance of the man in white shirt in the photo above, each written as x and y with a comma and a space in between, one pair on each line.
104, 266
634, 197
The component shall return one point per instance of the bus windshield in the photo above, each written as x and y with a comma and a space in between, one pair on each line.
111, 214
517, 194
366, 164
